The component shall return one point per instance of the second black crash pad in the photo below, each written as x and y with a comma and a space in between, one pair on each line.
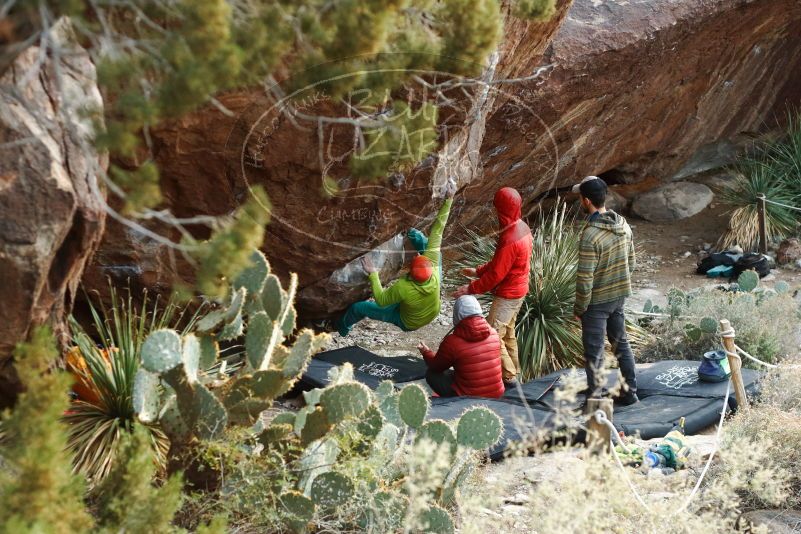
368, 368
519, 423
656, 415
679, 378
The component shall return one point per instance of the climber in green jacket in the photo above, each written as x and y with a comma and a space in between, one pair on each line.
413, 301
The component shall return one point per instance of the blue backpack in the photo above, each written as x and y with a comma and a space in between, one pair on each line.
714, 367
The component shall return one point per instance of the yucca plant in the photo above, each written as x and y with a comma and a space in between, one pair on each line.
773, 170
753, 178
105, 363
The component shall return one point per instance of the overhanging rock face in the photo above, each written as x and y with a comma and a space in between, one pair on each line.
633, 89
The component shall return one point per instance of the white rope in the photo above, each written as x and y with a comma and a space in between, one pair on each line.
711, 455
600, 416
789, 207
752, 358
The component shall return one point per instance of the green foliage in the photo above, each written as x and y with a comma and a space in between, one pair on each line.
229, 251
402, 138
344, 401
110, 381
331, 489
765, 322
437, 520
38, 491
540, 10
748, 280
773, 170
128, 501
470, 29
199, 405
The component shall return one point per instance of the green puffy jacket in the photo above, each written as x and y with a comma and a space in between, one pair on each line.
419, 301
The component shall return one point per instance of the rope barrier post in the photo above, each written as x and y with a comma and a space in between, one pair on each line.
763, 234
735, 363
599, 435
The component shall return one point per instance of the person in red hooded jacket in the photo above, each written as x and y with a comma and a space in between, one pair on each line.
506, 276
468, 361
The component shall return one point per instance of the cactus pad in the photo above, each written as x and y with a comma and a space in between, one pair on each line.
413, 405
648, 306
161, 351
252, 278
344, 401
212, 417
316, 426
274, 434
748, 280
257, 341
389, 409
237, 303
693, 333
288, 326
299, 355
437, 520
171, 421
479, 428
384, 389
439, 432
146, 401
211, 320
298, 505
208, 352
190, 355
283, 418
260, 385
708, 325
781, 287
233, 329
331, 489
371, 422
272, 296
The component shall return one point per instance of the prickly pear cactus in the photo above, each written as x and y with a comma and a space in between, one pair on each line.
748, 281
437, 520
413, 405
344, 401
437, 431
781, 287
257, 305
331, 489
708, 325
479, 428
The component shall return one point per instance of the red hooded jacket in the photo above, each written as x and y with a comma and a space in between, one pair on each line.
507, 274
473, 349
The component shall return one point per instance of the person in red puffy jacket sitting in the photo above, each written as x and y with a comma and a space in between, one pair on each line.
468, 361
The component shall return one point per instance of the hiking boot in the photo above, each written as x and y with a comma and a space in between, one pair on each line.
627, 399
510, 384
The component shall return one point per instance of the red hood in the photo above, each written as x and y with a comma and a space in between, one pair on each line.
508, 205
473, 328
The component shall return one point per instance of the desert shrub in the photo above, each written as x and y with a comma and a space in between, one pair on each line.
105, 363
39, 491
766, 324
548, 336
774, 170
775, 422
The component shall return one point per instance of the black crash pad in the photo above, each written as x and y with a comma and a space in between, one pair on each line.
542, 388
368, 368
656, 415
518, 422
679, 378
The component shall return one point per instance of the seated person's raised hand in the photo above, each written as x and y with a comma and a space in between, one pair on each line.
423, 348
469, 272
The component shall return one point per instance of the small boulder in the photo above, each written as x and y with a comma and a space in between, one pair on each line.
672, 202
789, 251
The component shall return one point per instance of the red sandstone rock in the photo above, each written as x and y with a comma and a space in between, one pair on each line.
50, 219
628, 90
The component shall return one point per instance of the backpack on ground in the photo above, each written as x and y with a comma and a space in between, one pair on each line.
716, 259
752, 261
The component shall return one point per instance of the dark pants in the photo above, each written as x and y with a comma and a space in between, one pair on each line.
441, 383
369, 309
606, 320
